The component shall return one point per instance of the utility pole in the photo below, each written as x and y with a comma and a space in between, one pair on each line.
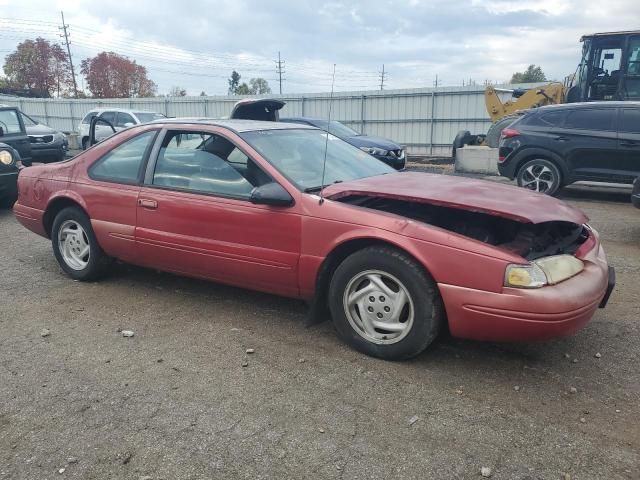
64, 28
279, 70
382, 74
436, 81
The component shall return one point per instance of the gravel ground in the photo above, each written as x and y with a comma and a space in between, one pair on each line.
176, 402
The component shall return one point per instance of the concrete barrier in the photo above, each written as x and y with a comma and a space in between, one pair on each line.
477, 159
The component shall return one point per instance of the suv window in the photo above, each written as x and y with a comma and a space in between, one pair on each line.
591, 119
206, 163
87, 119
544, 119
109, 117
630, 121
9, 121
122, 118
123, 163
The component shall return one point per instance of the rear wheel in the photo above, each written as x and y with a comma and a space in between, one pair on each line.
75, 246
384, 304
540, 175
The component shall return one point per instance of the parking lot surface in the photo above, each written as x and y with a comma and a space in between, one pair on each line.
182, 398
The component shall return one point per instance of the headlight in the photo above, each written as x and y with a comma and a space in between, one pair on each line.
544, 271
375, 151
6, 158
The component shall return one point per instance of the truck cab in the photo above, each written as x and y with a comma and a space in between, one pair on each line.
14, 149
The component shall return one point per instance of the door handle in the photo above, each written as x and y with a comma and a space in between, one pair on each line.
562, 139
630, 144
147, 203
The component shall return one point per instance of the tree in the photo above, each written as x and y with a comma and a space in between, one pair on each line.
110, 75
177, 92
41, 66
259, 86
234, 83
243, 89
203, 94
532, 74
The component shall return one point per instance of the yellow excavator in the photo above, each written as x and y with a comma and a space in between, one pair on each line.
609, 70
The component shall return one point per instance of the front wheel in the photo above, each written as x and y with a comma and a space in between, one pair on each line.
75, 246
384, 304
540, 175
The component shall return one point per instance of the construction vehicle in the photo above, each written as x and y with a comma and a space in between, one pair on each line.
609, 70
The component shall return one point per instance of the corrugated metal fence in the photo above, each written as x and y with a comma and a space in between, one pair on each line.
425, 120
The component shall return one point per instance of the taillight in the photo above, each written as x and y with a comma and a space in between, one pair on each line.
509, 133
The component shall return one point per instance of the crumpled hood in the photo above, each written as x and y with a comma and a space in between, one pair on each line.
483, 196
367, 141
39, 130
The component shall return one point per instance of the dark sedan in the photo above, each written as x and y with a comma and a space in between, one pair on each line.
389, 152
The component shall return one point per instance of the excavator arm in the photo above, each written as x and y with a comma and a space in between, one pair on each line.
549, 94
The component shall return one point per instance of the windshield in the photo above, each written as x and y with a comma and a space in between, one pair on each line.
27, 119
145, 117
299, 156
337, 128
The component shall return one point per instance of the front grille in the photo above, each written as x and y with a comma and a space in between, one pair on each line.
397, 153
41, 138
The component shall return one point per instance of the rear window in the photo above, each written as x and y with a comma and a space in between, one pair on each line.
630, 121
591, 119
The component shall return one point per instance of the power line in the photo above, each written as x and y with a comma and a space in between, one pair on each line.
66, 40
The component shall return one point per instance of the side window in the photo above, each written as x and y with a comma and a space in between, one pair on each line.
633, 62
122, 119
591, 119
9, 121
109, 117
630, 121
207, 163
544, 119
123, 163
87, 119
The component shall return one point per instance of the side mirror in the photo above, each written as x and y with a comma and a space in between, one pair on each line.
271, 194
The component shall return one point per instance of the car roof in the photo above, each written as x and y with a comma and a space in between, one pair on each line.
304, 119
601, 104
237, 125
123, 110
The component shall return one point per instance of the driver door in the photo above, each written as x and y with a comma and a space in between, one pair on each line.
194, 216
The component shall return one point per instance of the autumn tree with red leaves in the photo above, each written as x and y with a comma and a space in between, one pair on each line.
40, 66
110, 75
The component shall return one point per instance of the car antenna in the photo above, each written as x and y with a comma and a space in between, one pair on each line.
326, 140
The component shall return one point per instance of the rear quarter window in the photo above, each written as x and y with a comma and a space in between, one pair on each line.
87, 118
591, 119
543, 119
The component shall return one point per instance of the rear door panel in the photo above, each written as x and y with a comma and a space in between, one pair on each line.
629, 139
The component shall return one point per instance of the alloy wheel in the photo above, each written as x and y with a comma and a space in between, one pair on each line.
74, 246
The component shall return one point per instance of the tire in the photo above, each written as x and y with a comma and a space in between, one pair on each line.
85, 143
68, 247
7, 202
540, 175
462, 138
415, 325
495, 130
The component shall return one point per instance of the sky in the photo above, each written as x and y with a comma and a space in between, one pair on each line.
196, 44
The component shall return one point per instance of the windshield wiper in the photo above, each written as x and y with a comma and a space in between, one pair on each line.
319, 187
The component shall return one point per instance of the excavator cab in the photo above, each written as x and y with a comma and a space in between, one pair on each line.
609, 69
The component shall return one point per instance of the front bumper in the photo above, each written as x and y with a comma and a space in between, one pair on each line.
635, 194
398, 163
54, 149
8, 184
531, 314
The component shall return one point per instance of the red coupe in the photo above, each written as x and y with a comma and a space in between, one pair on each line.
391, 257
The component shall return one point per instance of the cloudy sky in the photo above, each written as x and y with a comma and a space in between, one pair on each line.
196, 44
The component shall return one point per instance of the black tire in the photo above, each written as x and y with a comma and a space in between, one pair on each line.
7, 202
85, 143
550, 178
428, 312
495, 130
97, 262
462, 138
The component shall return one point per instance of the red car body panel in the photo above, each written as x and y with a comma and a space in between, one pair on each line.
463, 193
281, 250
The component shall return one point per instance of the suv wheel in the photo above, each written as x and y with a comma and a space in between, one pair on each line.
384, 304
539, 175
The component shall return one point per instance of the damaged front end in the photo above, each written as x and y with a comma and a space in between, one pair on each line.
531, 241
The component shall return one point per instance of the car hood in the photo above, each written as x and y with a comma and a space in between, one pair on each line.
473, 195
39, 130
367, 141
